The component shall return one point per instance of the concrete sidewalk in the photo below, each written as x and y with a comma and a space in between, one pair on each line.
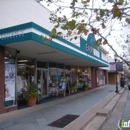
126, 113
38, 117
106, 113
117, 113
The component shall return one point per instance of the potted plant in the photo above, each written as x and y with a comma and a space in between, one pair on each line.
85, 86
75, 87
31, 94
71, 87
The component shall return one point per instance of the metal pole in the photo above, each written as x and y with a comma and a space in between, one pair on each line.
116, 77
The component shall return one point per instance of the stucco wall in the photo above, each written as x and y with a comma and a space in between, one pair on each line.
104, 56
14, 12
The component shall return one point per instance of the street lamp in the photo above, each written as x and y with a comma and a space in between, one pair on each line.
116, 75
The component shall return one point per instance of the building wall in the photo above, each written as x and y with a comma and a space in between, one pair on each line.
14, 12
1, 78
110, 59
104, 56
93, 73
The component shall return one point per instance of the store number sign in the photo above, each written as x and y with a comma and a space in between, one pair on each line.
92, 50
89, 48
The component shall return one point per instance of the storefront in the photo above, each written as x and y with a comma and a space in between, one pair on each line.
26, 58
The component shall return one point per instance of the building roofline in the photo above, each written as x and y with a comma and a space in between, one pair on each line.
103, 50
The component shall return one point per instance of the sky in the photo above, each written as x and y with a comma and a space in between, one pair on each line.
118, 34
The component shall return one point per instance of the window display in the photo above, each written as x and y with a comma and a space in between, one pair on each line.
25, 76
81, 75
89, 77
9, 85
56, 79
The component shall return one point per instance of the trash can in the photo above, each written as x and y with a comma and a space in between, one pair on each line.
129, 85
122, 82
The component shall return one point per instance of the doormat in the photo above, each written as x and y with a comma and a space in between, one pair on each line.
63, 121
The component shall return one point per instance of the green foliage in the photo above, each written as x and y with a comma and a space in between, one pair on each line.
73, 3
32, 91
71, 24
87, 18
72, 85
98, 42
85, 85
98, 18
127, 20
85, 31
102, 12
121, 1
46, 40
76, 14
53, 33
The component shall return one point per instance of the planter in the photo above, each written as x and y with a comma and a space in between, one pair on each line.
31, 102
71, 90
85, 88
75, 90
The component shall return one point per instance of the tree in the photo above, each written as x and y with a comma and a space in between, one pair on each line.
103, 18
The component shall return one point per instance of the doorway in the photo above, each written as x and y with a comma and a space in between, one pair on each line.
42, 75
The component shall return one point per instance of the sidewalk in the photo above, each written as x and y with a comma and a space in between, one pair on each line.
38, 117
117, 114
126, 113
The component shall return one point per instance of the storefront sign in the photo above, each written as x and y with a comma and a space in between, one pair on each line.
96, 53
89, 48
91, 39
12, 34
92, 50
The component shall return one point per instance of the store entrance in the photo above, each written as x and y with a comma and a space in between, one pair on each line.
42, 75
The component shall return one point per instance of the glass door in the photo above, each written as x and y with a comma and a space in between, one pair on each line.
42, 82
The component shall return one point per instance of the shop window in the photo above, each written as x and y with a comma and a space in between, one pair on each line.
25, 75
84, 75
10, 71
55, 74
